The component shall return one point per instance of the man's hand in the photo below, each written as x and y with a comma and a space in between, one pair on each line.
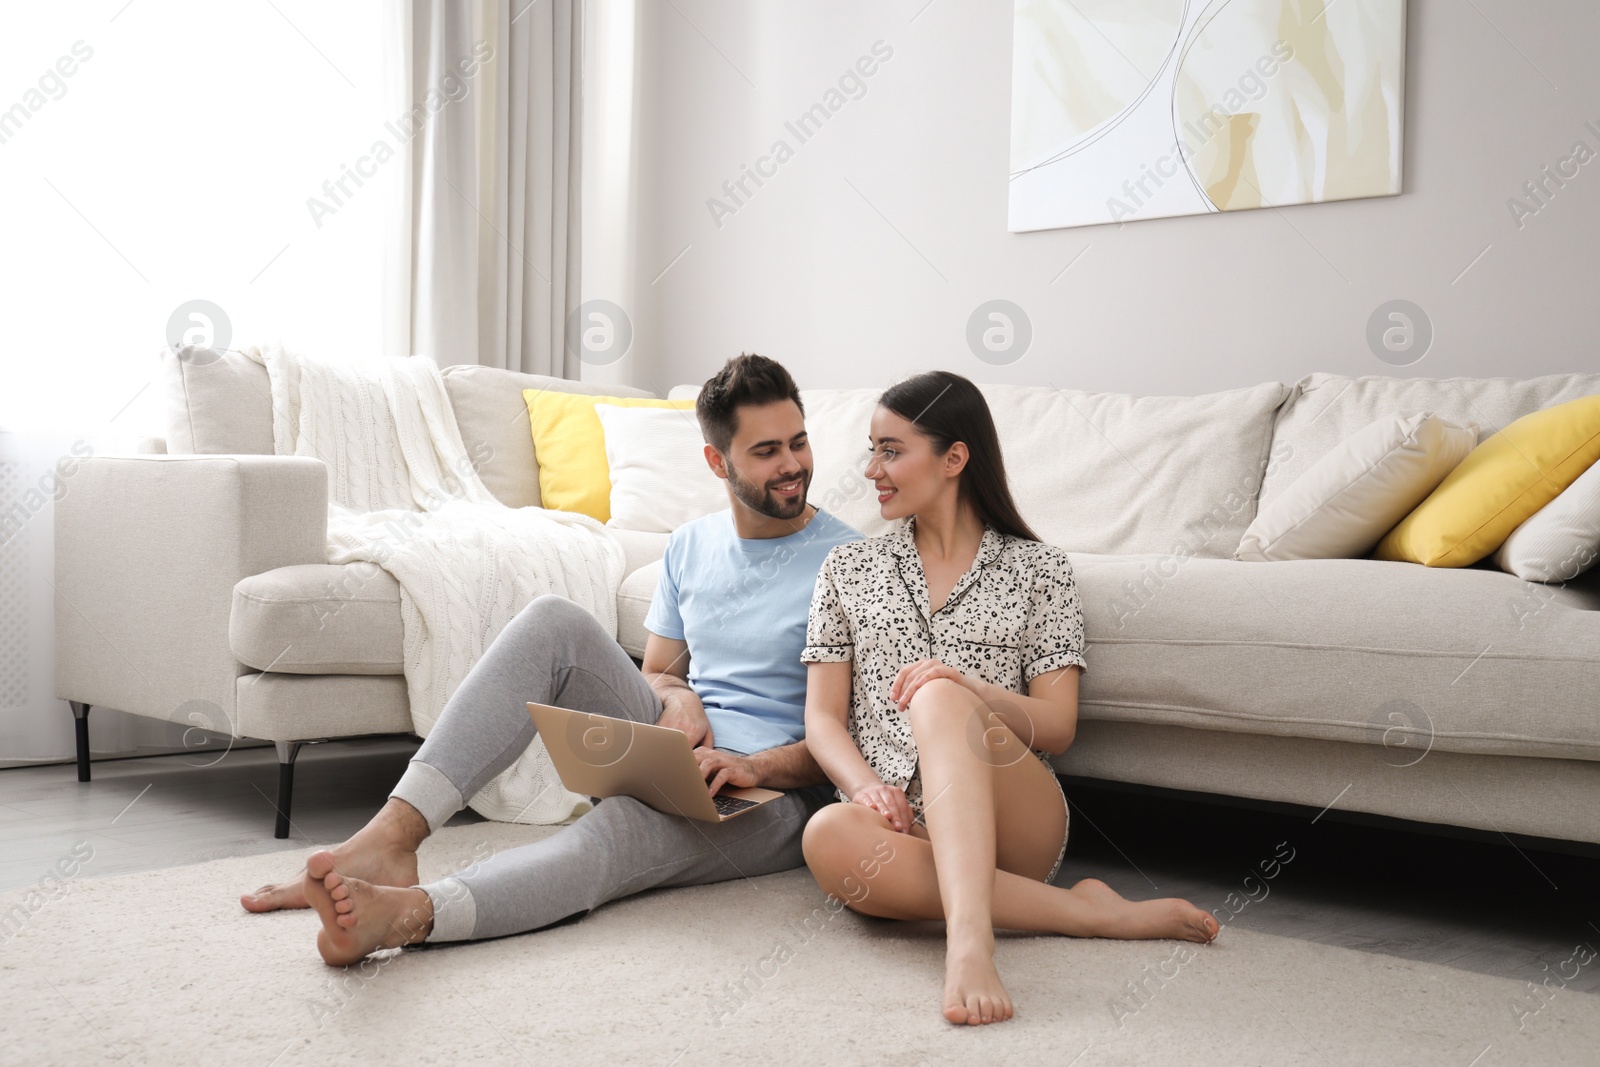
666, 669
688, 716
725, 768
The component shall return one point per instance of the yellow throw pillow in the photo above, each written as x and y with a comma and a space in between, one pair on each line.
1498, 487
570, 446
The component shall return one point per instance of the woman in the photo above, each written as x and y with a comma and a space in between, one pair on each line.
944, 661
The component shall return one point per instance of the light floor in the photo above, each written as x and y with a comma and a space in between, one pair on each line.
1481, 905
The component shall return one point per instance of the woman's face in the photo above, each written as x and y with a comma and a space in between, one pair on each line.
903, 467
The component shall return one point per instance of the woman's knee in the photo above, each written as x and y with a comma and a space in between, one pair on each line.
823, 832
939, 703
836, 841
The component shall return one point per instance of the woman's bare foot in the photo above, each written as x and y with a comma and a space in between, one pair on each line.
1138, 920
383, 852
973, 993
358, 917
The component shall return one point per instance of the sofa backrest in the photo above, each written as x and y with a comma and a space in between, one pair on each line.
225, 407
1091, 472
1324, 409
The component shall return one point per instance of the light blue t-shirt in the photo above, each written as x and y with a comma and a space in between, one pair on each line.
741, 605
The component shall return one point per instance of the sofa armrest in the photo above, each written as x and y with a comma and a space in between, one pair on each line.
148, 549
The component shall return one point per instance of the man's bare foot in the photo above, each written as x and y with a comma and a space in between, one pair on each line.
358, 917
973, 993
383, 852
1138, 920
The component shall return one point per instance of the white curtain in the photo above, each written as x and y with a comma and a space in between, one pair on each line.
483, 265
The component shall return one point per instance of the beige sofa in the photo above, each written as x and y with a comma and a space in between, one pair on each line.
1467, 697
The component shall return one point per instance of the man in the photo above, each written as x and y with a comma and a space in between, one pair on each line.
722, 664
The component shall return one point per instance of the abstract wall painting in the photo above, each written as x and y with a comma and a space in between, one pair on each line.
1124, 110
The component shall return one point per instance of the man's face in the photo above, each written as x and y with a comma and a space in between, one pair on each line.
768, 465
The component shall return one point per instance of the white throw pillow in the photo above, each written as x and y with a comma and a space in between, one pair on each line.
659, 477
1562, 539
1346, 501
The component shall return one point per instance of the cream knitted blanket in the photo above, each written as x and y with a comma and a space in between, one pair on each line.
405, 495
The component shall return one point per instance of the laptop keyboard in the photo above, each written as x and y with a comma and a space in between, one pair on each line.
727, 805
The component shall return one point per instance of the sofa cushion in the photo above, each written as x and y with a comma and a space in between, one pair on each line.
1409, 658
633, 602
659, 475
219, 408
639, 548
319, 618
1324, 409
1091, 472
1472, 660
1351, 497
1562, 540
493, 418
326, 619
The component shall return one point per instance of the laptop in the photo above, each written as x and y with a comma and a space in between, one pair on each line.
600, 756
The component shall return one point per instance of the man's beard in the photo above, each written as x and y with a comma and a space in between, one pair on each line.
763, 500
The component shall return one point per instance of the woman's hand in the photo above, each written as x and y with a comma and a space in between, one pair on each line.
915, 676
888, 801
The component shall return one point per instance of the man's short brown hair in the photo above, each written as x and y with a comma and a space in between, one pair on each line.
747, 379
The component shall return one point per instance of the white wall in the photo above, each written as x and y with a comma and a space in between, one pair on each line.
856, 288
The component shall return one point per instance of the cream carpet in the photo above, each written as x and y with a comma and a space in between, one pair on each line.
165, 967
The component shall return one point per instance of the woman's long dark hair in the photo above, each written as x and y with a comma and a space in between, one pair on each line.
946, 408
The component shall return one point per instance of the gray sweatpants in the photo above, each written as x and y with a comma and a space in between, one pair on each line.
554, 652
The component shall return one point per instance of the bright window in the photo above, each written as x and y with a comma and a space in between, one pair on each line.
163, 151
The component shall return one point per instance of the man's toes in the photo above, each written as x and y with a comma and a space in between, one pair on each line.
260, 900
274, 897
337, 889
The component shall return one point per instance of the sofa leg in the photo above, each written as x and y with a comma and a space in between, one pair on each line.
287, 751
80, 722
